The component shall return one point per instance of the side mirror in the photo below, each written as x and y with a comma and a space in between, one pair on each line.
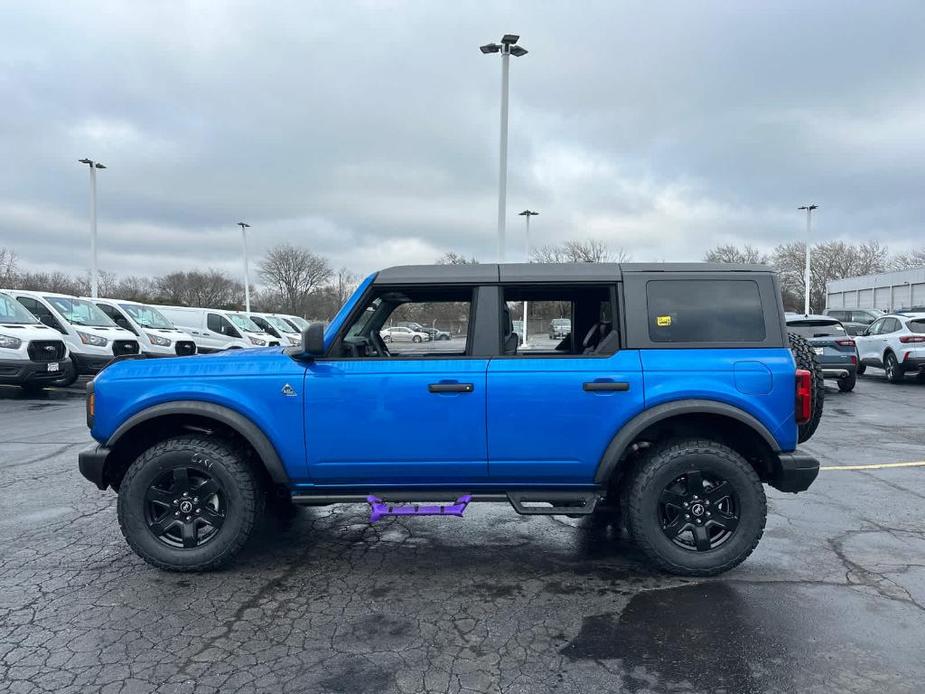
313, 340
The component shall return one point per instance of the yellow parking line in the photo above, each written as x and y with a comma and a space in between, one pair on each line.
877, 466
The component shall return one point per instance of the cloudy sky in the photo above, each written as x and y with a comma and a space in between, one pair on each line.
369, 131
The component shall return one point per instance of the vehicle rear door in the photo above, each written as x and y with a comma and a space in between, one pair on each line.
552, 412
404, 413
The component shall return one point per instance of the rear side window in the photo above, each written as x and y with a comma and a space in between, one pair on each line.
705, 311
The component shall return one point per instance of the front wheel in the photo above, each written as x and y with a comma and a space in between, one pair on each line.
695, 507
416, 338
189, 503
861, 369
894, 372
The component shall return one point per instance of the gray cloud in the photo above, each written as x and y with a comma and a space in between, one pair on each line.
368, 131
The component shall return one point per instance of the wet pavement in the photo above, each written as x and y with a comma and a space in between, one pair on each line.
833, 599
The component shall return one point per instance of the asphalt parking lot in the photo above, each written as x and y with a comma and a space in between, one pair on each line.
832, 600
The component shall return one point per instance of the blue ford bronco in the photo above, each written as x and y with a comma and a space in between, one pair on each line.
675, 396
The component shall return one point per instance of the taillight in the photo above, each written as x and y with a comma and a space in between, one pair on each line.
907, 339
854, 359
804, 403
845, 343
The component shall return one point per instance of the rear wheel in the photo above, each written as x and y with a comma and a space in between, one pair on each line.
189, 503
695, 507
894, 372
806, 359
846, 384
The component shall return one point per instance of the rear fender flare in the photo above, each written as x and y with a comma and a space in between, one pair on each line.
622, 440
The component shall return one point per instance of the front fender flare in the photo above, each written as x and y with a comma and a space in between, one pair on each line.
618, 445
235, 420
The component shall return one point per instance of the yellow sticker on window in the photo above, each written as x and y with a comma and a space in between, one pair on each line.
663, 321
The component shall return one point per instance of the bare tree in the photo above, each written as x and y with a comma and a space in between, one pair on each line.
209, 289
294, 273
907, 261
589, 251
8, 272
453, 258
729, 253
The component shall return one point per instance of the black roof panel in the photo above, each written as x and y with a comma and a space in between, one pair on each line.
490, 273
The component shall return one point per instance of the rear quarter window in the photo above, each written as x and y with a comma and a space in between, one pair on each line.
692, 310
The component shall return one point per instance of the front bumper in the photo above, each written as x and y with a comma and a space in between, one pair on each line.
92, 464
795, 472
90, 363
22, 371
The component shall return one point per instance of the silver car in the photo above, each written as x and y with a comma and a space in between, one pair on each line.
401, 333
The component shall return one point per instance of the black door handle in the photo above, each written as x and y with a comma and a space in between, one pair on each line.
600, 386
450, 387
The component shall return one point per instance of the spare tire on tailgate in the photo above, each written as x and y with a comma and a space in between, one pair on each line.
806, 359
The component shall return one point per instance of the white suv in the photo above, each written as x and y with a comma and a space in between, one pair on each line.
895, 343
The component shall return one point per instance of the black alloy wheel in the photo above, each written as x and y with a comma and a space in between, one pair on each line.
185, 507
698, 511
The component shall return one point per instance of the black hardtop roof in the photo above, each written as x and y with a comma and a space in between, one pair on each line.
543, 272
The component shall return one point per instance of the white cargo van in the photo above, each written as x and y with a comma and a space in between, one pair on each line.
157, 335
277, 326
32, 355
214, 330
92, 339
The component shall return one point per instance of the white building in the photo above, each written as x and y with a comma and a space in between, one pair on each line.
888, 291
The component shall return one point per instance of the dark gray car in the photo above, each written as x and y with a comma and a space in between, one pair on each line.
836, 351
855, 320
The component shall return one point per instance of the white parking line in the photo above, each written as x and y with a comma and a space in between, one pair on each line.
875, 466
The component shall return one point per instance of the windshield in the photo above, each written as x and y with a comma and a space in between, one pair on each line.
298, 322
147, 317
80, 312
279, 324
11, 311
816, 328
245, 323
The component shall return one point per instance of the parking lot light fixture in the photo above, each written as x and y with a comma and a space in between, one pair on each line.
506, 48
806, 270
247, 287
94, 273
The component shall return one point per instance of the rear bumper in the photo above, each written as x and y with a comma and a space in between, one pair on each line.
913, 364
795, 472
19, 371
92, 463
840, 371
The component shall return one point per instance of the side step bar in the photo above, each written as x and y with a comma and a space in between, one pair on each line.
540, 503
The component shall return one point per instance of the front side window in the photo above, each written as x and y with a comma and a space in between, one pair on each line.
80, 312
220, 324
705, 311
413, 322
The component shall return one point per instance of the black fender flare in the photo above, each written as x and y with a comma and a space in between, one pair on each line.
235, 420
621, 441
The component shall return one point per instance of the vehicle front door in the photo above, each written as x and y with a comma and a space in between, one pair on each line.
554, 404
869, 344
409, 413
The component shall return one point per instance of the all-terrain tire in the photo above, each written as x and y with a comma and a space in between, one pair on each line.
806, 359
846, 384
240, 499
663, 466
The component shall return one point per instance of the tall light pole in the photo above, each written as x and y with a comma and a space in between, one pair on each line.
526, 214
94, 281
247, 286
507, 48
806, 273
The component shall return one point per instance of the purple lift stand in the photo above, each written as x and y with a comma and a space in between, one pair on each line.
379, 508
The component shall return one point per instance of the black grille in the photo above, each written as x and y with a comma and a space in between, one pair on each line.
185, 348
120, 347
46, 350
